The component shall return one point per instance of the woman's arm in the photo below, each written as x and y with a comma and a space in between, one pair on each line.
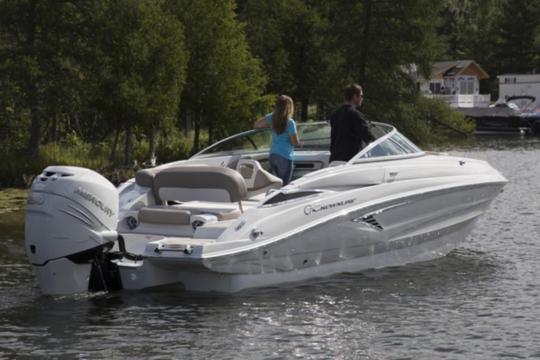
260, 123
294, 139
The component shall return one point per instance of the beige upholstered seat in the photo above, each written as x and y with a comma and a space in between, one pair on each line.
257, 179
164, 215
223, 211
199, 189
204, 183
145, 177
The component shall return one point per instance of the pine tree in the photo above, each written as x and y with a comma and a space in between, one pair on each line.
517, 30
139, 68
294, 41
224, 80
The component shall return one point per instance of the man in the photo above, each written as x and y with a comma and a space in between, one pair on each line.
350, 131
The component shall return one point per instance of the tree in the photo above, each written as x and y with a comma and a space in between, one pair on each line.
224, 80
498, 34
140, 67
380, 40
298, 50
517, 29
470, 30
38, 44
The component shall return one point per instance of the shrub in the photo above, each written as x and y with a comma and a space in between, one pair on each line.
426, 121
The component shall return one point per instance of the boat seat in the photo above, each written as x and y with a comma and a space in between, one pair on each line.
172, 215
199, 189
145, 177
223, 211
164, 215
202, 183
257, 179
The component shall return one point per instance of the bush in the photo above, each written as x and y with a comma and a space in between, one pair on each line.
18, 169
424, 121
427, 121
174, 145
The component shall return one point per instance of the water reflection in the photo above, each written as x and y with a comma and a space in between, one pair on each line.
481, 301
319, 317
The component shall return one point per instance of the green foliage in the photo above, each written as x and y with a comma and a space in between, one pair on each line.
517, 28
19, 168
142, 60
175, 146
426, 121
224, 80
11, 200
300, 54
469, 27
378, 40
501, 35
37, 67
141, 65
430, 121
80, 78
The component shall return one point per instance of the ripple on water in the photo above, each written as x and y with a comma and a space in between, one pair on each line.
479, 302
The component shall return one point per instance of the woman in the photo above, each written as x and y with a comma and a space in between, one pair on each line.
284, 137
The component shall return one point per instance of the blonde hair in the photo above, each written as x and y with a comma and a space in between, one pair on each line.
283, 111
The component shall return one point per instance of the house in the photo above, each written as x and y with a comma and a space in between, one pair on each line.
456, 82
518, 84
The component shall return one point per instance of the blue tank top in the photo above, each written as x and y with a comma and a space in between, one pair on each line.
281, 143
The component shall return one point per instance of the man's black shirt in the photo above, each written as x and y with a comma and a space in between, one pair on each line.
349, 133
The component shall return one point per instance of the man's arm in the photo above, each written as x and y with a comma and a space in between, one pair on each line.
362, 129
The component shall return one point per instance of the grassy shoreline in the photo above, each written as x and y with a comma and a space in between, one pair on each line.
15, 187
12, 199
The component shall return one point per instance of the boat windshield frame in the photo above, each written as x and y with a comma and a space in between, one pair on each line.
405, 147
362, 157
205, 152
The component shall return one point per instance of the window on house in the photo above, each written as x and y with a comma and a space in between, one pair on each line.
466, 85
435, 87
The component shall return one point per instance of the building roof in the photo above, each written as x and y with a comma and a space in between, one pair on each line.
457, 67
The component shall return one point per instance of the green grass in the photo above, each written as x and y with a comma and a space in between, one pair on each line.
18, 169
12, 199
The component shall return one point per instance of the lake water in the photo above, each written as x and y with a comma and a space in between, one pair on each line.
480, 302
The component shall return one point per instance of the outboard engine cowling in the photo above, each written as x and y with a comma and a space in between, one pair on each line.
71, 219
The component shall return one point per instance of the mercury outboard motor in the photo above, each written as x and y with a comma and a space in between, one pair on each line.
71, 220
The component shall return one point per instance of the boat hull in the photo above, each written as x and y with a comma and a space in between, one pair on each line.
391, 233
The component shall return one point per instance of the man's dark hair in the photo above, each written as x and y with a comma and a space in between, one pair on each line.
351, 90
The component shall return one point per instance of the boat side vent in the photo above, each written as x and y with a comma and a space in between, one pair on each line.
370, 220
286, 196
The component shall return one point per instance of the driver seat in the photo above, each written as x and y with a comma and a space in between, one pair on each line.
256, 178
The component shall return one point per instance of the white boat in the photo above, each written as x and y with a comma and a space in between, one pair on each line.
220, 222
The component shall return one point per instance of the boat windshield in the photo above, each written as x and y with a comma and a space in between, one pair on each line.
532, 107
252, 141
392, 145
314, 136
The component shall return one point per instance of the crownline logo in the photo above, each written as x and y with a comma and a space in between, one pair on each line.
310, 209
